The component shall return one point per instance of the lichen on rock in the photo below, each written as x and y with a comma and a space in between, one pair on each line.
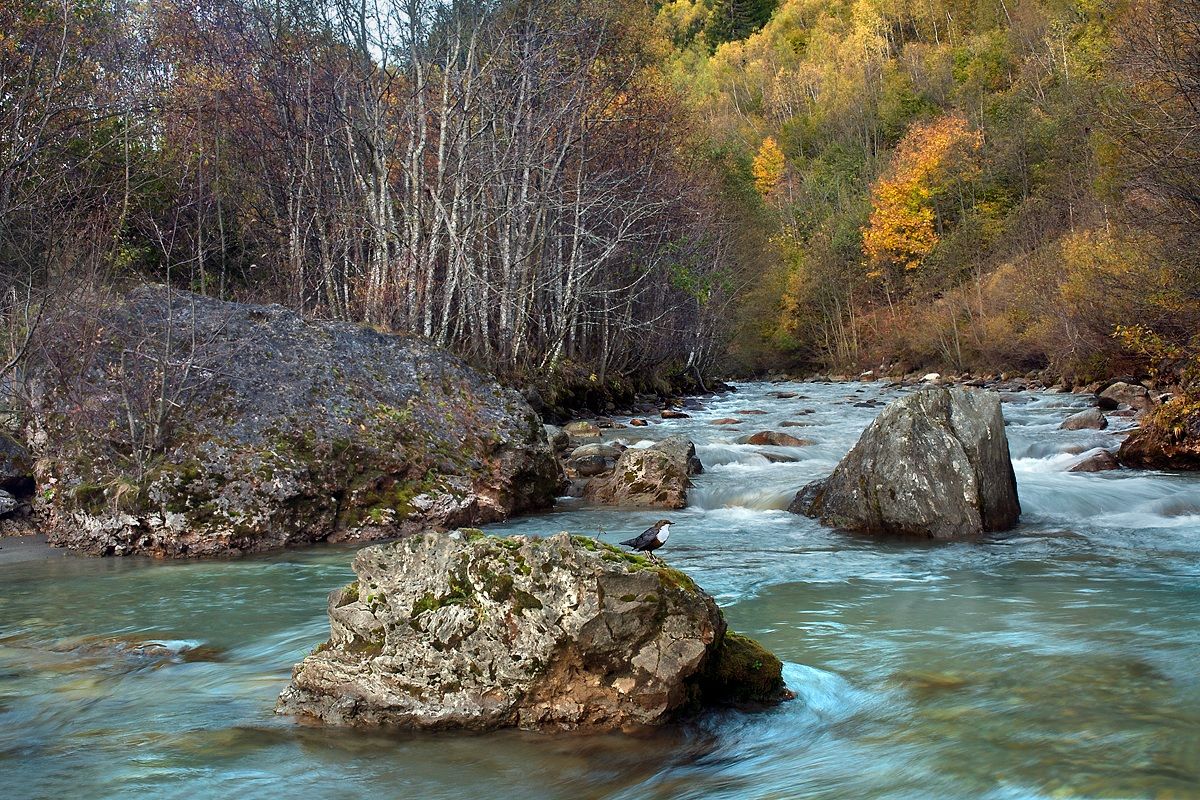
469, 631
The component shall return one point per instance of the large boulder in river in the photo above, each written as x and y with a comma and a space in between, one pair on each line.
651, 477
184, 425
1169, 438
471, 631
934, 463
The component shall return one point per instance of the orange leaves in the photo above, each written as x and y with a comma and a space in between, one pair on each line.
768, 166
931, 157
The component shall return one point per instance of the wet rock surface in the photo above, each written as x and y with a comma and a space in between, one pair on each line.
469, 631
933, 464
1088, 419
277, 431
652, 477
1098, 460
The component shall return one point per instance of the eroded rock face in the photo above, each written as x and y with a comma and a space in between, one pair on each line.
653, 477
934, 464
279, 431
470, 631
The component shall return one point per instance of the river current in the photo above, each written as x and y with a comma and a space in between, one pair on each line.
1057, 660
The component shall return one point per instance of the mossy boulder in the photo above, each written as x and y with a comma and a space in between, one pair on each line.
1169, 437
469, 631
183, 425
744, 672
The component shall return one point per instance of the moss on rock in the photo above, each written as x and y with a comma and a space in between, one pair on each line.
743, 671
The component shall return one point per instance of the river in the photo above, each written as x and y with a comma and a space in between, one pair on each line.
1058, 660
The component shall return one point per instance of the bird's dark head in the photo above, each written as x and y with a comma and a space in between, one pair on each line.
662, 522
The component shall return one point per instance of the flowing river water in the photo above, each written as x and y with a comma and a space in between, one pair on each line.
1058, 660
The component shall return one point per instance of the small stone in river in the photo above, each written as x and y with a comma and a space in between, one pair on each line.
726, 421
582, 429
776, 439
1096, 461
1088, 419
750, 411
637, 422
671, 414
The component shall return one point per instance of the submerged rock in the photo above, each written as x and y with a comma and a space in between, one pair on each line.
934, 463
277, 430
469, 631
652, 477
1169, 438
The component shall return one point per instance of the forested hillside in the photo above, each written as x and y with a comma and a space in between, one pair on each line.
963, 184
512, 180
587, 193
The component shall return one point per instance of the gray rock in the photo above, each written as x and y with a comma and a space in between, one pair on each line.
934, 463
582, 429
281, 431
1088, 419
559, 439
590, 466
1134, 395
469, 631
653, 477
681, 449
597, 449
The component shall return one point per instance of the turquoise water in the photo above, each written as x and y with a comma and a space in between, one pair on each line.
1058, 660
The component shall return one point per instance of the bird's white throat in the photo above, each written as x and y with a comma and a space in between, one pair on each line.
663, 533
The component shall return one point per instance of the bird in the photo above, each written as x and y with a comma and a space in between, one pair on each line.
652, 538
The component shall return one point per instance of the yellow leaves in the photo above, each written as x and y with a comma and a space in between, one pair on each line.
768, 166
901, 231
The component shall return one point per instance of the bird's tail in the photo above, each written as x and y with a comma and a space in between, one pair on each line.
630, 542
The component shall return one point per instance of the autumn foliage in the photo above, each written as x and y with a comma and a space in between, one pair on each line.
904, 223
768, 166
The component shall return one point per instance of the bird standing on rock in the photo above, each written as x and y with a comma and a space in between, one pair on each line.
652, 538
